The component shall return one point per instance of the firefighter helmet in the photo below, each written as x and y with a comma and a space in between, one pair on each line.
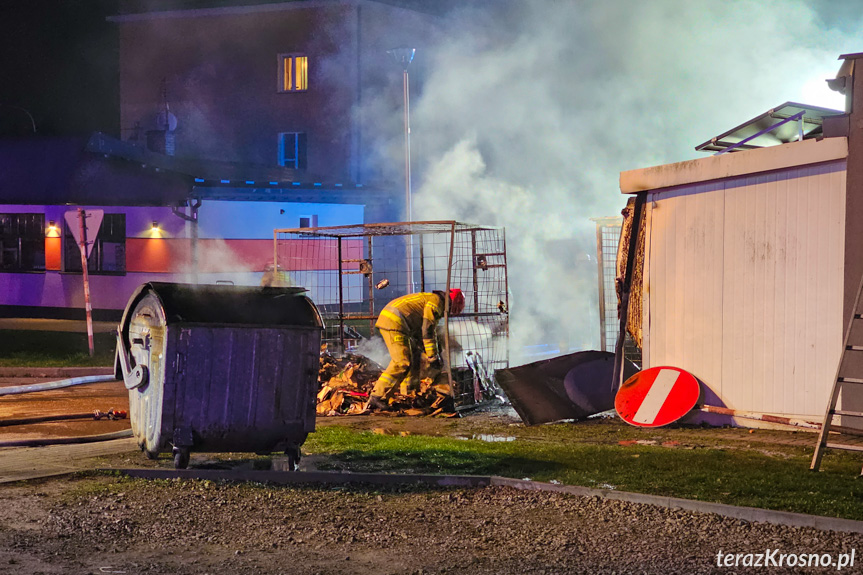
456, 301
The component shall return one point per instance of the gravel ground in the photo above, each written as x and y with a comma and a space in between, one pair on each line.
113, 525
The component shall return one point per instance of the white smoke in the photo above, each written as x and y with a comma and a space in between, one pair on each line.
532, 109
375, 349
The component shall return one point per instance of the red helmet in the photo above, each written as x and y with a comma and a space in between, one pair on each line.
456, 301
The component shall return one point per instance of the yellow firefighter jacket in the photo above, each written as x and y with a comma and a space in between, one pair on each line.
415, 315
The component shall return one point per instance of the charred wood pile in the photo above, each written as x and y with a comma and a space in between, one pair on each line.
345, 384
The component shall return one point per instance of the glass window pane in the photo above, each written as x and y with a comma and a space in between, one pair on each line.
302, 66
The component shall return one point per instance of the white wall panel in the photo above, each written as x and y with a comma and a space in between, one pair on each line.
684, 291
745, 285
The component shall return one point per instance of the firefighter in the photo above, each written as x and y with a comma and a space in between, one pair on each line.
403, 322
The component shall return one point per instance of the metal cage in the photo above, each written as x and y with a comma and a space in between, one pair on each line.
352, 272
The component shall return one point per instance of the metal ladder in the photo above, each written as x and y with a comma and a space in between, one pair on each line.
842, 379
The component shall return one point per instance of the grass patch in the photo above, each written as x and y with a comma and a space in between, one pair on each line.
32, 348
742, 474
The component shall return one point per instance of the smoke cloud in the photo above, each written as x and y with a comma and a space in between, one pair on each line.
530, 110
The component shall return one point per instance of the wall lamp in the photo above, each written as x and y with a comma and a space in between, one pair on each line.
155, 225
52, 231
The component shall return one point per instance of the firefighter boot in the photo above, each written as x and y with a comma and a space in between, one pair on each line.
377, 403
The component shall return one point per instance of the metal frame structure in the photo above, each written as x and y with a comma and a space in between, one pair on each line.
352, 272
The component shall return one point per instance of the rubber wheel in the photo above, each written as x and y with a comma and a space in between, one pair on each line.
293, 454
181, 458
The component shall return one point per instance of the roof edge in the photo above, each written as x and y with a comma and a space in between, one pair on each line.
737, 164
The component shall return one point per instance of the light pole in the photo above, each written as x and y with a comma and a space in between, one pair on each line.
405, 56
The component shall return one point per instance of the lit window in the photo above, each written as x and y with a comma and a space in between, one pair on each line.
108, 254
292, 150
293, 73
22, 242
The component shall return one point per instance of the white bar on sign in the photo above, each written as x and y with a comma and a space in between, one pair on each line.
657, 395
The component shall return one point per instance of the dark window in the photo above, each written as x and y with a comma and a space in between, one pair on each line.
108, 254
292, 150
309, 221
22, 242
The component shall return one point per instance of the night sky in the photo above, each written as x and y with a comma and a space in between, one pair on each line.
60, 63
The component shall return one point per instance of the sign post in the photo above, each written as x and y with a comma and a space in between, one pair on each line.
79, 232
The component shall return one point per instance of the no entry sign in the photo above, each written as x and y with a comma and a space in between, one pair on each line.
656, 396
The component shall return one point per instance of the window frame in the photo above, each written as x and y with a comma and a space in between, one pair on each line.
31, 233
299, 159
287, 83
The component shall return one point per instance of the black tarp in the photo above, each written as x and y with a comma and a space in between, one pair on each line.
572, 386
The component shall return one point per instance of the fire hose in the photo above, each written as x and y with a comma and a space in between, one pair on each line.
67, 440
48, 385
111, 414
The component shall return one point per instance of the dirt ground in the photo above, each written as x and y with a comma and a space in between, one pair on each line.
107, 524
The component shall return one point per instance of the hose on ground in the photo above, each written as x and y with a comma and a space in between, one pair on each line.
95, 415
67, 440
48, 385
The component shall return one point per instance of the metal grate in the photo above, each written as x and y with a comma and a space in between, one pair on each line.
607, 240
352, 272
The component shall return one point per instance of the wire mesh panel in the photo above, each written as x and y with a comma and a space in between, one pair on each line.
352, 272
607, 240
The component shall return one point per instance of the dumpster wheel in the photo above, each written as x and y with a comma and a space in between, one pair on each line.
294, 455
181, 457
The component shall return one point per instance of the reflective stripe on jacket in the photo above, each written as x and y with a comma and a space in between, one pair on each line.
414, 314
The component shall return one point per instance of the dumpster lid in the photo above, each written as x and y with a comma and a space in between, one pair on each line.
229, 304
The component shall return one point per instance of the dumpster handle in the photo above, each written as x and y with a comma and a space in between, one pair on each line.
132, 378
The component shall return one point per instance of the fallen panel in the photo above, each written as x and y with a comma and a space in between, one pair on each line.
572, 386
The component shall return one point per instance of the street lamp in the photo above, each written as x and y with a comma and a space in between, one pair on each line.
405, 56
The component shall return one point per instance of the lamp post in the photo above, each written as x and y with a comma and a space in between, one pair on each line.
405, 56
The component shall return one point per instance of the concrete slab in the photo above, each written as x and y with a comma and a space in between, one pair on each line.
22, 463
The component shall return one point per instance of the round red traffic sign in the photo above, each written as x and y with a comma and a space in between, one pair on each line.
657, 396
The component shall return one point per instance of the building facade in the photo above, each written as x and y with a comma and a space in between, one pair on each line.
308, 85
235, 121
